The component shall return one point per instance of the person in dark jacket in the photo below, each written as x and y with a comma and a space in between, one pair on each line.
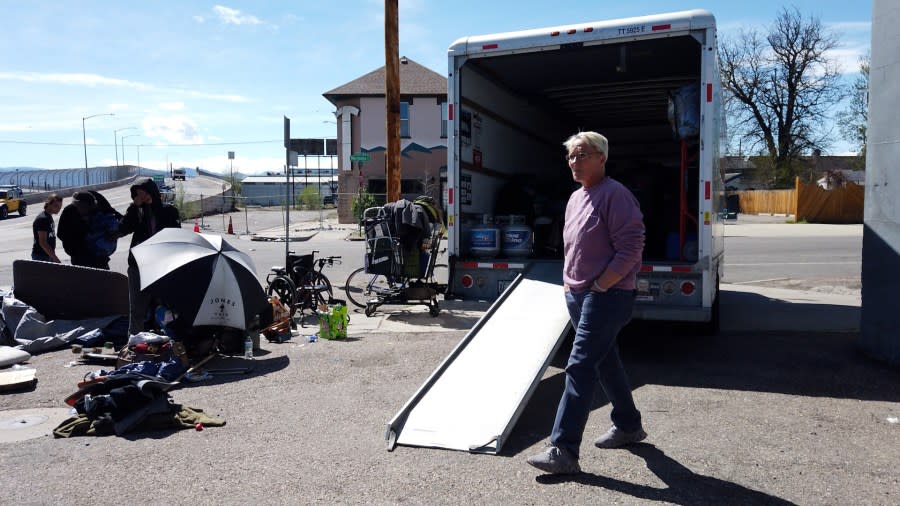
145, 216
74, 227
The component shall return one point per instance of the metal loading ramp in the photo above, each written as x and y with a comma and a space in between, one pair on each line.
472, 400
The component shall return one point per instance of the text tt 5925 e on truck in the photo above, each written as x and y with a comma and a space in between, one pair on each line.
651, 86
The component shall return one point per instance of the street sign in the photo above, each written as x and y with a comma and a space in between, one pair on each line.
360, 157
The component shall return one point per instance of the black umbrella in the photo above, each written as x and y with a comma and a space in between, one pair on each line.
203, 278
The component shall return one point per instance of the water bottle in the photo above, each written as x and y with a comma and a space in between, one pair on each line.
248, 347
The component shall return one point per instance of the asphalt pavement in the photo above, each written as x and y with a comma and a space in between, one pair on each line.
780, 408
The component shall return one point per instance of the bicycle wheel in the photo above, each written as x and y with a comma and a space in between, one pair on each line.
321, 290
286, 291
362, 287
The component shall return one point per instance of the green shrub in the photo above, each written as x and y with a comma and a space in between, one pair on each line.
361, 202
310, 199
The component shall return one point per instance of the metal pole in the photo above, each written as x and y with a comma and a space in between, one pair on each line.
287, 206
287, 189
115, 143
246, 219
84, 143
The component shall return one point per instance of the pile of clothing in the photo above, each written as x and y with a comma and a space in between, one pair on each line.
129, 402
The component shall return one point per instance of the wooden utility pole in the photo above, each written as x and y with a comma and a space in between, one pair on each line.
392, 99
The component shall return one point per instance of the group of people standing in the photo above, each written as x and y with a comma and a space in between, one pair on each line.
90, 228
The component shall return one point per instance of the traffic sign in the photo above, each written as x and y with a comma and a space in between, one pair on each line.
359, 157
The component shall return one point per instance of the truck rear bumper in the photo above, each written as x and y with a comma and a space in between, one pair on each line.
672, 313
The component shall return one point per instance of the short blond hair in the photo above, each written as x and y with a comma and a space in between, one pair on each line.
595, 140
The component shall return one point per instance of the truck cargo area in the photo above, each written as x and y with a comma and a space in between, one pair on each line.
620, 90
520, 98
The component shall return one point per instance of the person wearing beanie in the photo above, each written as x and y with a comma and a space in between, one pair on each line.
145, 216
74, 227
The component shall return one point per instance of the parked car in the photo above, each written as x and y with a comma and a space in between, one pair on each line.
11, 201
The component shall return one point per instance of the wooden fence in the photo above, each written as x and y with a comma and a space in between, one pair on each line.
808, 202
843, 204
768, 201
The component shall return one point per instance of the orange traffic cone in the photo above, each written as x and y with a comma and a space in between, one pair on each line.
196, 226
230, 228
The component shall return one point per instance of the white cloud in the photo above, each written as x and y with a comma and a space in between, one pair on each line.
856, 27
94, 80
172, 106
231, 16
91, 80
199, 19
14, 127
173, 129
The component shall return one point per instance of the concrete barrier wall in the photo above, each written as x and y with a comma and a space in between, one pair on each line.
194, 205
40, 197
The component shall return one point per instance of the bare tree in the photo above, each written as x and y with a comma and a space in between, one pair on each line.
854, 119
779, 89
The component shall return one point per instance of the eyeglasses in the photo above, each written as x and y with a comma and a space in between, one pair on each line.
577, 157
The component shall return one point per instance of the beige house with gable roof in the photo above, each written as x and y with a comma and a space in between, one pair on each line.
361, 119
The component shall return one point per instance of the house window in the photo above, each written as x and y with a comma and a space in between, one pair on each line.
404, 119
444, 117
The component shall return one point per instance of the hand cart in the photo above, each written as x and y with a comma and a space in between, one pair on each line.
402, 246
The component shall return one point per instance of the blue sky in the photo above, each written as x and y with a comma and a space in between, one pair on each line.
191, 80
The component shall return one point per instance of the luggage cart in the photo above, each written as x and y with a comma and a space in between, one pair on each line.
399, 269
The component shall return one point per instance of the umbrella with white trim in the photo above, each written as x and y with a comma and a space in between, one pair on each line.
202, 277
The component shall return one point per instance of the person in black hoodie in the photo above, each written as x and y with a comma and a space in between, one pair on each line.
88, 229
146, 215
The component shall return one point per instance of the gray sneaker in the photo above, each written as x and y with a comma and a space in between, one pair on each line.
555, 460
617, 438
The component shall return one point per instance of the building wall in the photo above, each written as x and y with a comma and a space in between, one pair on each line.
881, 233
423, 154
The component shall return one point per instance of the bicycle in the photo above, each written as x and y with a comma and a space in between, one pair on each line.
302, 286
362, 287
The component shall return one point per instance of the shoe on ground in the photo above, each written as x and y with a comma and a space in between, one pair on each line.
617, 438
555, 460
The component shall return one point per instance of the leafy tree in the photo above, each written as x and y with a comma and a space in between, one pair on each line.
779, 88
854, 119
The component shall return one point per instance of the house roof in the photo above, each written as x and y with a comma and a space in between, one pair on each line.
414, 80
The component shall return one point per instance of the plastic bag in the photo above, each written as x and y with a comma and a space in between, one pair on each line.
333, 320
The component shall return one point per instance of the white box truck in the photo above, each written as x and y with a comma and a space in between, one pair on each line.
651, 85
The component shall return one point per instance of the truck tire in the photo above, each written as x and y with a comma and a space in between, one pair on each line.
3, 213
23, 208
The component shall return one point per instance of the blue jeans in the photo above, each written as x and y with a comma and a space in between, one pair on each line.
597, 318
